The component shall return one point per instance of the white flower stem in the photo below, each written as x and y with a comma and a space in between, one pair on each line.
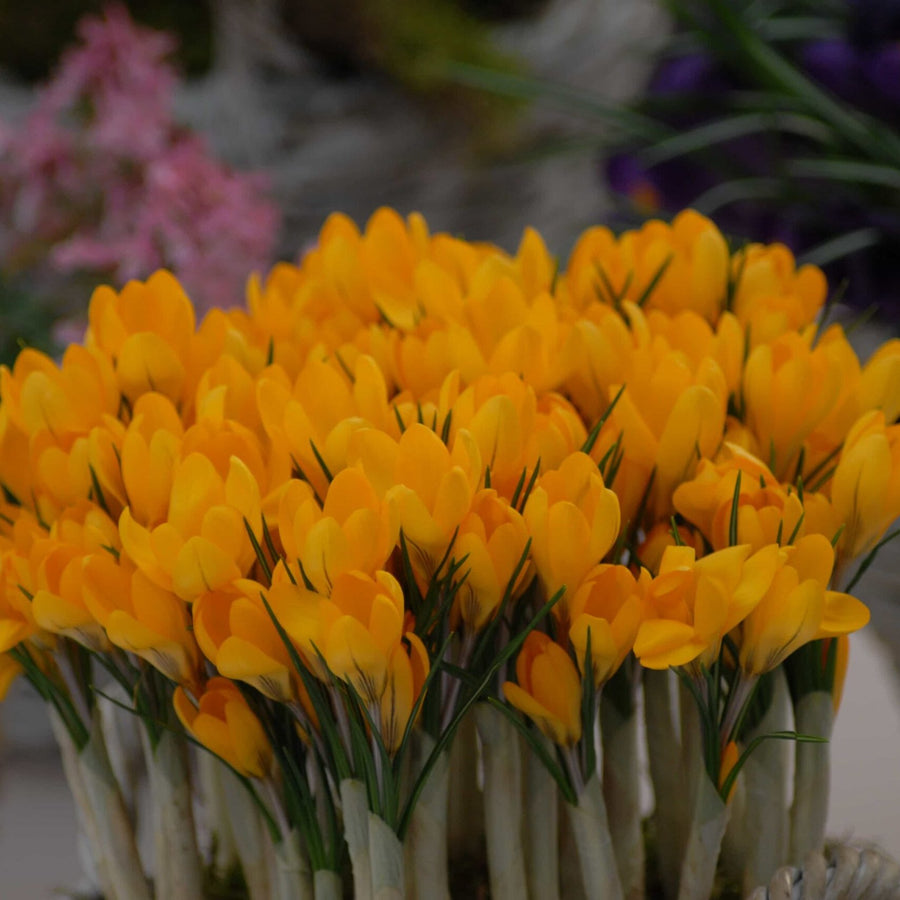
466, 802
428, 876
761, 829
87, 821
293, 877
386, 854
664, 754
710, 817
541, 829
327, 885
502, 803
621, 791
354, 804
599, 872
177, 871
813, 715
247, 830
115, 835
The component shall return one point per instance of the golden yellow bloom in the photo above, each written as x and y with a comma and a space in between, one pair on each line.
18, 577
59, 602
515, 428
692, 604
492, 538
797, 608
667, 412
322, 410
659, 537
789, 388
879, 386
865, 488
408, 668
548, 689
355, 531
691, 254
573, 520
223, 722
772, 296
148, 329
607, 607
140, 617
428, 487
203, 545
767, 512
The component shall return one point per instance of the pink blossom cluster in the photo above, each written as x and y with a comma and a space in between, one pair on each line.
99, 178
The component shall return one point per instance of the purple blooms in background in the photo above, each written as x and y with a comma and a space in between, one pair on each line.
99, 178
742, 182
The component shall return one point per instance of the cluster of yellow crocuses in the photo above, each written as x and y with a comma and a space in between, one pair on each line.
320, 528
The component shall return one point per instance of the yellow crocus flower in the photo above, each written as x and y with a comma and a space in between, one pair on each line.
548, 689
865, 488
607, 607
797, 608
222, 722
692, 604
573, 519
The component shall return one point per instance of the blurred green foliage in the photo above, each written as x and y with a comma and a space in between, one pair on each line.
24, 321
32, 35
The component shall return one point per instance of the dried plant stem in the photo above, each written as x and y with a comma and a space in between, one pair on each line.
293, 878
327, 885
502, 803
541, 829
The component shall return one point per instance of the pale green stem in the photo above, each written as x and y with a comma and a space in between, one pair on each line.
426, 840
599, 872
541, 828
327, 885
114, 830
355, 807
248, 831
87, 820
664, 755
177, 870
386, 852
466, 804
757, 832
621, 791
813, 715
502, 803
293, 877
710, 817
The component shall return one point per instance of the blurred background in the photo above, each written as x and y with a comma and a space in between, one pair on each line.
214, 138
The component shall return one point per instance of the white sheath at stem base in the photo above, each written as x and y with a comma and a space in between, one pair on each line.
355, 806
327, 885
757, 832
248, 831
621, 791
87, 821
115, 834
502, 803
293, 876
710, 818
541, 829
428, 877
177, 871
465, 808
813, 715
599, 872
386, 853
664, 753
